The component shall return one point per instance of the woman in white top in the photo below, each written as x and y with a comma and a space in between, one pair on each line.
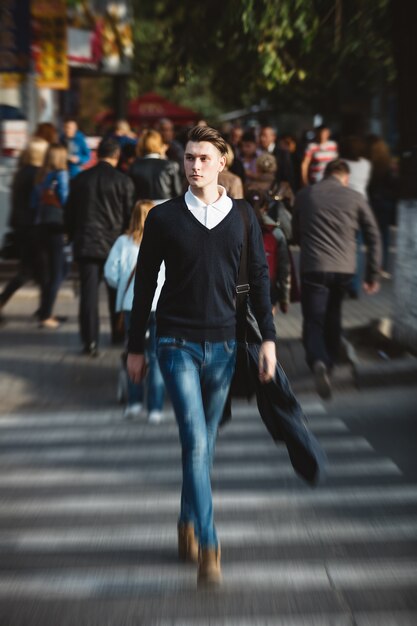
119, 272
351, 150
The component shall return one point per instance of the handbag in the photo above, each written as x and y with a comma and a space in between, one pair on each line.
278, 407
51, 211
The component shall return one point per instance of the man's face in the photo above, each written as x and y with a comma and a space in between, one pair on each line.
167, 132
248, 149
202, 163
323, 135
236, 135
70, 128
266, 137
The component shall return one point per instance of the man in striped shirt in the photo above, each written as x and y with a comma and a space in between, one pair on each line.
317, 155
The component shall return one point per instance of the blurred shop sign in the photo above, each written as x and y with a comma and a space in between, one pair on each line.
13, 136
100, 35
14, 36
49, 43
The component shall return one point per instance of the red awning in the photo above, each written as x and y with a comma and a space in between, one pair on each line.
151, 107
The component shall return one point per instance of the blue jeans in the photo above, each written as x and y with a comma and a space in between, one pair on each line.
155, 382
321, 303
197, 377
134, 391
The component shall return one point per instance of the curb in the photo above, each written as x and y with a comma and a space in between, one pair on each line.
387, 373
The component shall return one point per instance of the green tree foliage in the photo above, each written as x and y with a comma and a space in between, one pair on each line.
234, 52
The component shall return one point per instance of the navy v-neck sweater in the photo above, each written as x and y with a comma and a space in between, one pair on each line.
197, 302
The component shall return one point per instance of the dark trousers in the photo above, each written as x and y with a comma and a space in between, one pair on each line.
91, 273
321, 302
27, 241
52, 263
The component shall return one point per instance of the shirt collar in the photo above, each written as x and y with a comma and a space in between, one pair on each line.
223, 203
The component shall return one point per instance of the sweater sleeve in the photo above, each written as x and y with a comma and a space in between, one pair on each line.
149, 261
259, 281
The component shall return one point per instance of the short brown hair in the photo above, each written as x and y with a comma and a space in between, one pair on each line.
336, 167
211, 135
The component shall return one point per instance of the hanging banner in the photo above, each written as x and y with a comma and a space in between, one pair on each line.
49, 47
14, 36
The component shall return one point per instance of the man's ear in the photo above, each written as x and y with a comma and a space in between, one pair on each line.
222, 163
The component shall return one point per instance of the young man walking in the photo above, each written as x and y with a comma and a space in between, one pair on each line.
199, 236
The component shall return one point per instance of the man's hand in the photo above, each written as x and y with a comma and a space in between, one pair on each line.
136, 367
371, 288
267, 361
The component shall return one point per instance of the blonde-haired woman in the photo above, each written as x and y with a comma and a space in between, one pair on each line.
119, 272
154, 176
50, 196
22, 217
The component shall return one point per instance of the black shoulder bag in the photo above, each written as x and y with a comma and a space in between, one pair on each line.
277, 405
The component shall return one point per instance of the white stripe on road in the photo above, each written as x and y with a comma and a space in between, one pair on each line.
103, 417
243, 576
168, 476
139, 432
140, 535
166, 451
226, 500
388, 618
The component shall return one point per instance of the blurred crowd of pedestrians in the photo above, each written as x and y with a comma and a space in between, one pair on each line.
64, 209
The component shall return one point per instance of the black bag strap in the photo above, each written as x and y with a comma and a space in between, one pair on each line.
133, 272
243, 286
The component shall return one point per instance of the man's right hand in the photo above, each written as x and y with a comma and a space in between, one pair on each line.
136, 367
371, 288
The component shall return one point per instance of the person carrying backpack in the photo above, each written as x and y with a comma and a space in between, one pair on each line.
276, 250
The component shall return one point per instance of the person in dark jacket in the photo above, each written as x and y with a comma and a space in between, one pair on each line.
22, 218
326, 218
154, 177
97, 213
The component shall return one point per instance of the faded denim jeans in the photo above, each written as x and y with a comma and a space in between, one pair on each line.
197, 377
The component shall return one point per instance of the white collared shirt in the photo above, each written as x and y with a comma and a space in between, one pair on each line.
209, 214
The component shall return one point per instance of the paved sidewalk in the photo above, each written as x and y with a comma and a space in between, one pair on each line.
42, 368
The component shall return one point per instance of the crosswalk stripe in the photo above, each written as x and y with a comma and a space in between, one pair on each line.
388, 618
138, 431
226, 500
248, 576
310, 407
155, 475
165, 451
140, 535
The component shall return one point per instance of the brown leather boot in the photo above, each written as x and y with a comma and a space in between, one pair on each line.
209, 571
187, 543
